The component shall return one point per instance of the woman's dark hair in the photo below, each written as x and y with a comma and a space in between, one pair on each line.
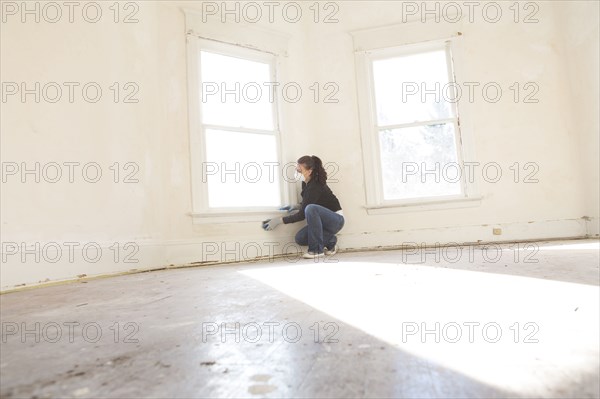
315, 164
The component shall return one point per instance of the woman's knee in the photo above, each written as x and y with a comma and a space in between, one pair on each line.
311, 209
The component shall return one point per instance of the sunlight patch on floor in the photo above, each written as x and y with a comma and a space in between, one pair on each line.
501, 329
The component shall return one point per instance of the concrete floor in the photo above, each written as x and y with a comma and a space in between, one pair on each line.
371, 324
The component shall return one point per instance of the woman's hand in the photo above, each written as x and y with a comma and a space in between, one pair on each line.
271, 224
290, 208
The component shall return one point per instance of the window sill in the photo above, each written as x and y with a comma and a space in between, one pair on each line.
455, 203
234, 216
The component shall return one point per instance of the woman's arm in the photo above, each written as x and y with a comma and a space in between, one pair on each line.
312, 193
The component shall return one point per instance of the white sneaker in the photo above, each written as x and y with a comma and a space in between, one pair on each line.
330, 252
312, 255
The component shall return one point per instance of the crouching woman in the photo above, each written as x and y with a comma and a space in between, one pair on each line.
320, 207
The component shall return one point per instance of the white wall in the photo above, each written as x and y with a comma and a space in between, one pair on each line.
580, 32
154, 134
103, 132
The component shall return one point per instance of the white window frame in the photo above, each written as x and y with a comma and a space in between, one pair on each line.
201, 212
375, 203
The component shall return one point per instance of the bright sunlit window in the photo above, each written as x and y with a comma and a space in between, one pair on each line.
239, 135
237, 128
416, 124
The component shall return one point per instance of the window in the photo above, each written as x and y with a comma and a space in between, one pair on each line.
416, 127
234, 128
411, 130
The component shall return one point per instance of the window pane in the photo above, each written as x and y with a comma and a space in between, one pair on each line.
240, 169
396, 78
419, 162
235, 92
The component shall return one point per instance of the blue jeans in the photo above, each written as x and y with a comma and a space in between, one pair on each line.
321, 226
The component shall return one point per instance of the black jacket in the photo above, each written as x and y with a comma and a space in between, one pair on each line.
314, 192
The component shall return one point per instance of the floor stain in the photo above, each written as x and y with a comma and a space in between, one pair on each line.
210, 363
261, 389
81, 391
118, 360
